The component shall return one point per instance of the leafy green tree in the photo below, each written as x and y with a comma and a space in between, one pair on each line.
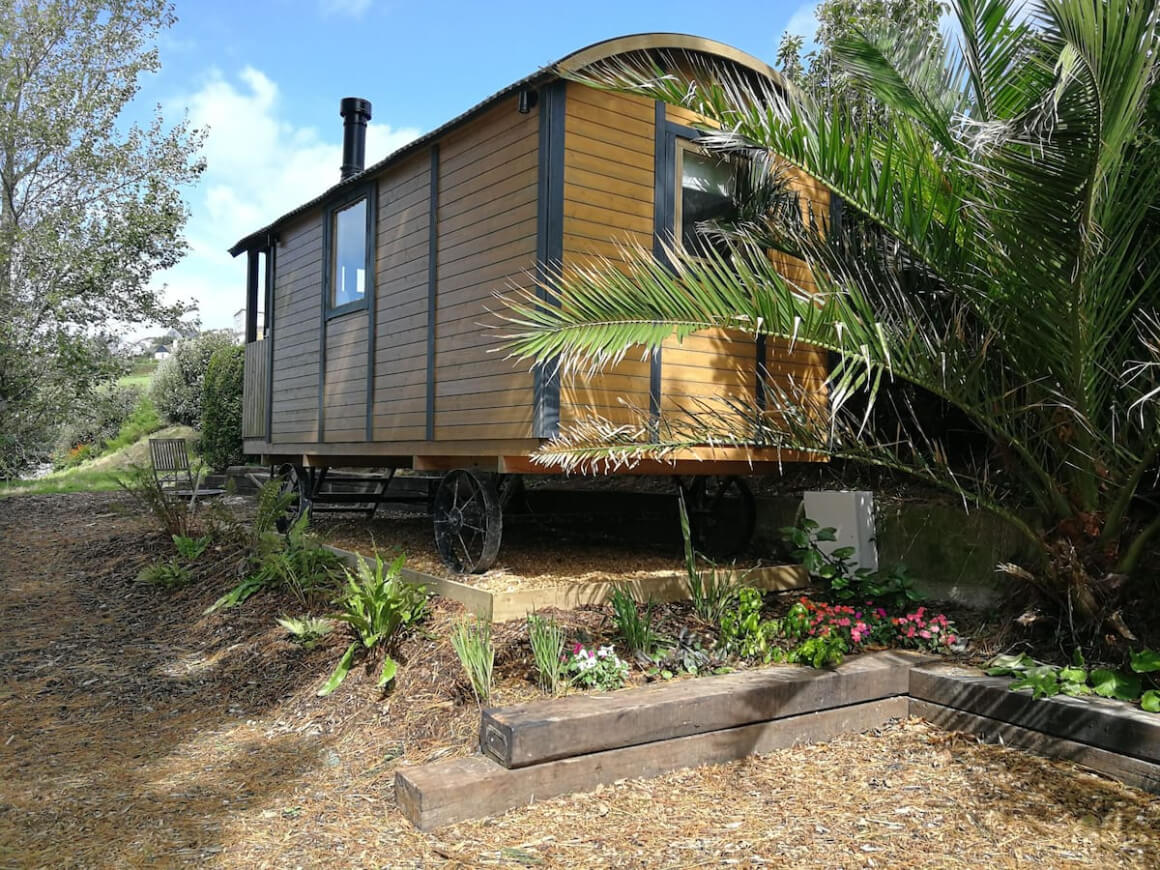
221, 414
178, 388
90, 206
999, 250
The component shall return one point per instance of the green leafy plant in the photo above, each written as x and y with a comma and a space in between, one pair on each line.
600, 669
190, 548
822, 651
376, 603
743, 632
1044, 680
635, 629
547, 641
472, 642
168, 574
892, 589
296, 563
687, 655
306, 630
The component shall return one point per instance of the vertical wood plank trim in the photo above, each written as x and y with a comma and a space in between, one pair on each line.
324, 306
549, 244
664, 168
371, 294
432, 285
268, 328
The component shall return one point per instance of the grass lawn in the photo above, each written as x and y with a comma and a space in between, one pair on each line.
99, 474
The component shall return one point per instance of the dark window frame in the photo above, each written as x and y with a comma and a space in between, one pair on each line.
365, 192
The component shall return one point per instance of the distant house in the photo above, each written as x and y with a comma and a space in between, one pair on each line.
161, 353
240, 324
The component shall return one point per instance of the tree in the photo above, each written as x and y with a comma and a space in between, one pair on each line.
90, 207
179, 386
999, 250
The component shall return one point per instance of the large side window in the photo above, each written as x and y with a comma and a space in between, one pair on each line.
348, 275
705, 190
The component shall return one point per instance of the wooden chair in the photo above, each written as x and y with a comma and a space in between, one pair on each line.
173, 472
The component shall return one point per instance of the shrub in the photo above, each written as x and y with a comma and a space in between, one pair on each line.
178, 388
743, 631
472, 642
221, 417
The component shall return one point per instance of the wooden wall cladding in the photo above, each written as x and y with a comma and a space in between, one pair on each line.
400, 388
297, 309
487, 222
608, 198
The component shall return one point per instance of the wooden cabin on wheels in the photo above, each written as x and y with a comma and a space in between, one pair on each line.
374, 352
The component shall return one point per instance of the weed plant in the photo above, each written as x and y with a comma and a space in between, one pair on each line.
547, 641
471, 639
167, 574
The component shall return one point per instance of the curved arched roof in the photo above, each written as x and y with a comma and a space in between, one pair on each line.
663, 42
570, 64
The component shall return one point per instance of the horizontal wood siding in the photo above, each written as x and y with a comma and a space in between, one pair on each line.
400, 388
711, 372
487, 239
345, 399
254, 387
297, 309
608, 199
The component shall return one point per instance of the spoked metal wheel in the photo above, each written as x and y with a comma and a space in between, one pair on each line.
468, 521
722, 514
296, 485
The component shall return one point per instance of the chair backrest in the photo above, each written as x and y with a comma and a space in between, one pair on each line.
170, 458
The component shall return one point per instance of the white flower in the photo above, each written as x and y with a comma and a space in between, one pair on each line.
606, 651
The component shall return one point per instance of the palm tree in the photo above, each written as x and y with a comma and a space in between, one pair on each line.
998, 251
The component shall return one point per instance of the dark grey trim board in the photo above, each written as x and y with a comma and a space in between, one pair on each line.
549, 244
268, 326
432, 284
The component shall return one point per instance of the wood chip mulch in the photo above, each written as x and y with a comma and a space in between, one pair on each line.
135, 731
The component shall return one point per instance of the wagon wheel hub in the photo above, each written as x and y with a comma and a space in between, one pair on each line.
468, 521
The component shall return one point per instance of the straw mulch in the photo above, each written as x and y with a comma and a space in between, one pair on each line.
136, 731
537, 552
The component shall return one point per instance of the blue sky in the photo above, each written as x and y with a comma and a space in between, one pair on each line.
265, 78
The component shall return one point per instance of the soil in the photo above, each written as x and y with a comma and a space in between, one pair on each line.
135, 730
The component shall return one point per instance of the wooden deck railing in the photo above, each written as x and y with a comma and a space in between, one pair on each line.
254, 391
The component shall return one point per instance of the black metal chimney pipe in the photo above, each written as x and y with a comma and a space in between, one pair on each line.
355, 113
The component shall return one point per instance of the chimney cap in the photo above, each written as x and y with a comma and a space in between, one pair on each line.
355, 106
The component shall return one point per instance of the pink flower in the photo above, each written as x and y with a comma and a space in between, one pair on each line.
924, 634
910, 631
950, 638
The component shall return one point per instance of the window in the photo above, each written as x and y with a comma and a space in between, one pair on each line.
707, 190
348, 280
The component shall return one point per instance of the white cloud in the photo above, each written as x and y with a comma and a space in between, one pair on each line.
259, 165
804, 22
353, 8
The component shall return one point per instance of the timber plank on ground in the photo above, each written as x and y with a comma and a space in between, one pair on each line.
1132, 771
543, 731
451, 791
1109, 725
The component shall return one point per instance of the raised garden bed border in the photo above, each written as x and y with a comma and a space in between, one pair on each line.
504, 606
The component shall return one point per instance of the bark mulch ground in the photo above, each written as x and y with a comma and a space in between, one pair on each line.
134, 731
